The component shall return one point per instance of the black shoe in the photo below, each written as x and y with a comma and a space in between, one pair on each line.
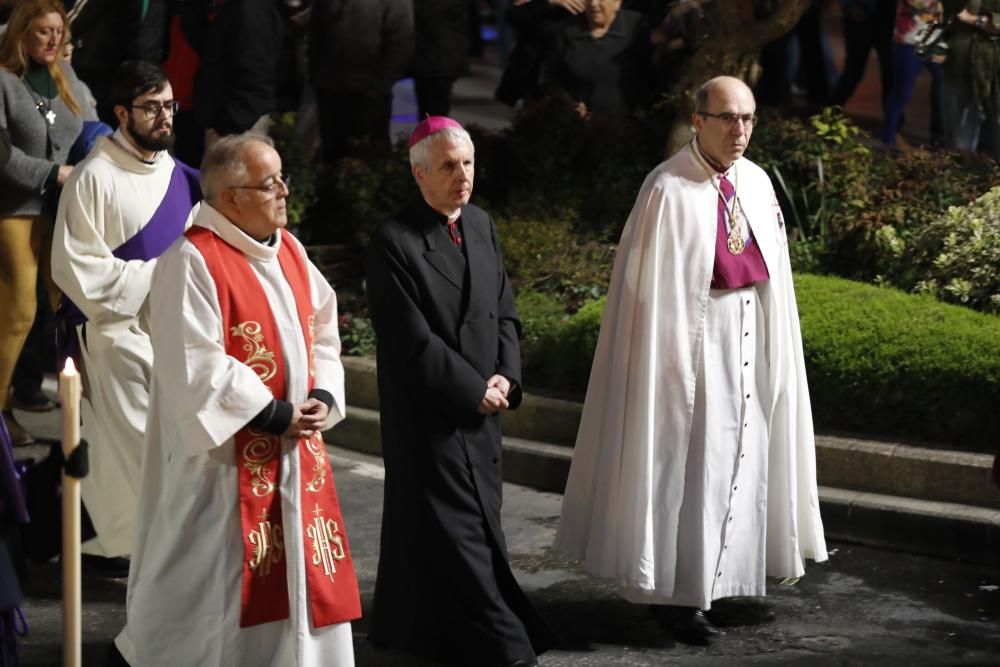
112, 568
694, 627
523, 663
687, 624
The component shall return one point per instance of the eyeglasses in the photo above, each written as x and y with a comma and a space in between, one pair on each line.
729, 119
154, 109
277, 183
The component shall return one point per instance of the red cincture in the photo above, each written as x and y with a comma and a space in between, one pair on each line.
252, 338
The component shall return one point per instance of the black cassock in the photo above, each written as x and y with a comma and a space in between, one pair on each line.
445, 322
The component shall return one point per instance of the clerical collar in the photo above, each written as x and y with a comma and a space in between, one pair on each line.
119, 138
714, 164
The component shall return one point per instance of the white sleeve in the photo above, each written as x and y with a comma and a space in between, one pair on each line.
326, 344
97, 282
208, 394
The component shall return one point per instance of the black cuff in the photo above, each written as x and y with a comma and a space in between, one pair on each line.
514, 395
323, 396
275, 418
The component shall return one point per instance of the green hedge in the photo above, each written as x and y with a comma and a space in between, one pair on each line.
879, 361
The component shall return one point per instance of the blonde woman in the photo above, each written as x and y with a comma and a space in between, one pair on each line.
41, 109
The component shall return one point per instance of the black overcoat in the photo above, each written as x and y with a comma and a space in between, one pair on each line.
445, 322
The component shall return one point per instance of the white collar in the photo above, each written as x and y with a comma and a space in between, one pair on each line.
210, 218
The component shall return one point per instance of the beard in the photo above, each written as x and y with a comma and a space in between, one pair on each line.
147, 142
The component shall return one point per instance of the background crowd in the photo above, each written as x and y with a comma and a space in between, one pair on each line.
234, 63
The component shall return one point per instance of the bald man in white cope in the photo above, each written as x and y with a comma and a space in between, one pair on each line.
694, 473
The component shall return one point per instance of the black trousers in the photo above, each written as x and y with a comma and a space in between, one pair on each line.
861, 35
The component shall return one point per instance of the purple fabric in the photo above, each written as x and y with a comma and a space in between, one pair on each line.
163, 228
735, 271
167, 222
10, 482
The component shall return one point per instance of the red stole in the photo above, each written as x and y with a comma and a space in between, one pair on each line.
252, 338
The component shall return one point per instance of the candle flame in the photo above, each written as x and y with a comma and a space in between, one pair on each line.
70, 367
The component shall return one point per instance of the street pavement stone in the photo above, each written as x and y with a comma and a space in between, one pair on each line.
862, 607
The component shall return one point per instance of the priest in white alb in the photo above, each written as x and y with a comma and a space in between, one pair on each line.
119, 210
241, 556
694, 474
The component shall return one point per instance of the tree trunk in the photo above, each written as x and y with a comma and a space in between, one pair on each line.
734, 51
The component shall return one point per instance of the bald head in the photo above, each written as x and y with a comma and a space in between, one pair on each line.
719, 85
724, 116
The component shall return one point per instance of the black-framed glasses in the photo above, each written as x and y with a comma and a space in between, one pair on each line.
154, 109
729, 119
274, 186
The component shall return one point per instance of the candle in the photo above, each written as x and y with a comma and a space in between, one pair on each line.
69, 394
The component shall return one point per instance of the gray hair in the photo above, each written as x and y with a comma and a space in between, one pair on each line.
420, 152
224, 162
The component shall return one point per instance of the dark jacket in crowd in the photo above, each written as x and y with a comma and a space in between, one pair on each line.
445, 322
609, 74
359, 45
536, 24
442, 29
243, 61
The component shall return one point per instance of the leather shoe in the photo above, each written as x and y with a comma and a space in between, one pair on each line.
112, 568
18, 436
687, 624
523, 663
694, 627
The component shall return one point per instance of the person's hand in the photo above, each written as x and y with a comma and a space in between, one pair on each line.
571, 6
64, 172
582, 110
493, 401
501, 383
307, 419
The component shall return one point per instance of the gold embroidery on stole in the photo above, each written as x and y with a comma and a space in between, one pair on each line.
259, 359
316, 448
327, 543
257, 454
268, 546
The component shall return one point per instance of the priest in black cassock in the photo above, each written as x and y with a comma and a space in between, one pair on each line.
448, 365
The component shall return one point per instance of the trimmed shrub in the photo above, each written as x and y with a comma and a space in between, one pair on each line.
879, 362
888, 363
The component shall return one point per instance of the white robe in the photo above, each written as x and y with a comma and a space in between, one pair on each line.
634, 488
184, 589
107, 200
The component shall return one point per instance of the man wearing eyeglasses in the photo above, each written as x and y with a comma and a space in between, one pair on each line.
693, 475
124, 205
241, 556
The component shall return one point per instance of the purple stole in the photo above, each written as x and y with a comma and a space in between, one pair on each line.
164, 227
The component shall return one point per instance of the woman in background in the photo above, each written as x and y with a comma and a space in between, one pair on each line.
40, 108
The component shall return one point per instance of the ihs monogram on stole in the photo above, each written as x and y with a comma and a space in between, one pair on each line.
268, 547
327, 543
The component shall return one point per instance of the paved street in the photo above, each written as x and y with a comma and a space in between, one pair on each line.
864, 606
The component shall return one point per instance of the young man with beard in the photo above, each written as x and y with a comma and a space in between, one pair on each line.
122, 207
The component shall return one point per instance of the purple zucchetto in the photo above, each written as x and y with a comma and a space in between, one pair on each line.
431, 125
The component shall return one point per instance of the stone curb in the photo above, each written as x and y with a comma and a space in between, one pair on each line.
917, 499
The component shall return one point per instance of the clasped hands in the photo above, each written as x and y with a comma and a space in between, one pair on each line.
495, 400
307, 419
